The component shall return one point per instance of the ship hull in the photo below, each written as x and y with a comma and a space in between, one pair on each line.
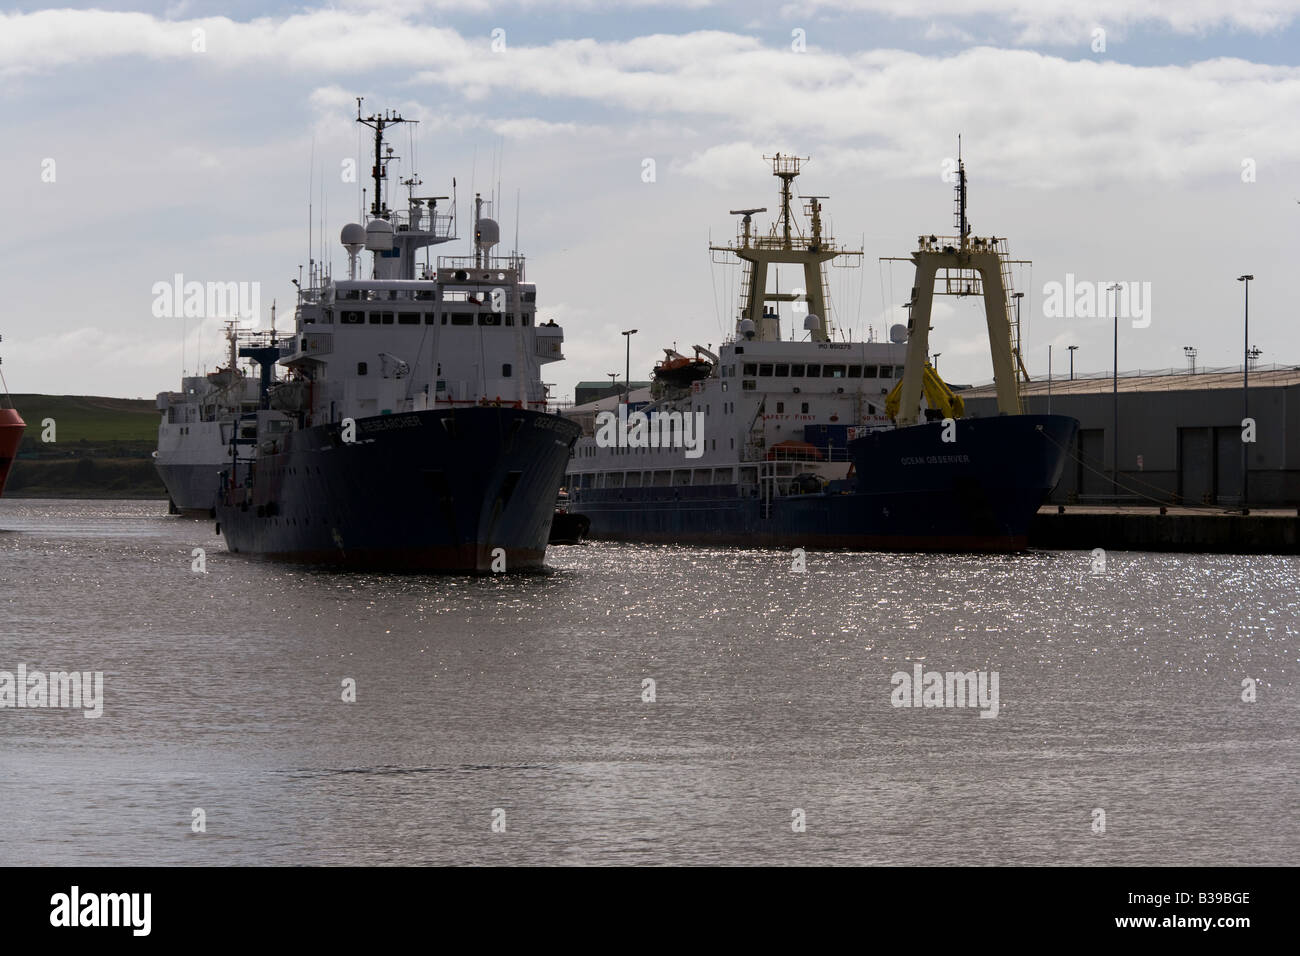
191, 488
11, 435
470, 490
569, 528
914, 492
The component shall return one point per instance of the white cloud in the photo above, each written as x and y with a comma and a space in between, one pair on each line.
1071, 21
1036, 119
1092, 166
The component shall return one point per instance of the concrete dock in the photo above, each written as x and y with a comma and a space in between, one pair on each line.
1142, 528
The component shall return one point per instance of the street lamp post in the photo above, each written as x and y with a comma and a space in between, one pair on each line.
1114, 392
1072, 348
627, 374
936, 362
1245, 395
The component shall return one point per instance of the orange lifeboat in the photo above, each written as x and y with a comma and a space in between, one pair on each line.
679, 371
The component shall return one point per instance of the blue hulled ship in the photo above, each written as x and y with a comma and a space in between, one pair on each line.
804, 439
409, 428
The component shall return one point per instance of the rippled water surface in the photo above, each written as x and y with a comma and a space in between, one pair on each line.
1120, 692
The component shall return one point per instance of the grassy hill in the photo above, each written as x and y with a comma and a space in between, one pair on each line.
90, 417
103, 448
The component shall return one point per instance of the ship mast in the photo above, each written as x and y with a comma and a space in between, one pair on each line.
960, 265
784, 245
961, 221
379, 122
395, 236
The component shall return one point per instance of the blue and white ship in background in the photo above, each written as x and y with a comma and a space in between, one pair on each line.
411, 428
814, 441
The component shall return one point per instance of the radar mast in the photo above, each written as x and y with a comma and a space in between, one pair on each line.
785, 244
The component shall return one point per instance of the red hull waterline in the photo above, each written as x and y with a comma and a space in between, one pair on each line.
11, 433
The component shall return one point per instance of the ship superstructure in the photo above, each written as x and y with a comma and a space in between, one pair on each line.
199, 424
804, 434
411, 430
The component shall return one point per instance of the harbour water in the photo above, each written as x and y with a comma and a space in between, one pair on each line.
523, 699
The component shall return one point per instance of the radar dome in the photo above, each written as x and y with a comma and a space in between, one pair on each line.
747, 328
811, 323
353, 234
898, 333
489, 233
379, 235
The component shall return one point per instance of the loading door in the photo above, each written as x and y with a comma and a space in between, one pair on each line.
1227, 466
1093, 478
1195, 465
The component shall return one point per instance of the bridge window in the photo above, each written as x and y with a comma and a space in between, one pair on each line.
489, 318
814, 371
796, 371
886, 371
764, 368
353, 318
462, 318
782, 371
855, 371
408, 318
833, 371
361, 368
751, 368
870, 371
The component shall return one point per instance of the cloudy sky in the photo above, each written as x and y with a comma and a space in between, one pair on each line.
1151, 142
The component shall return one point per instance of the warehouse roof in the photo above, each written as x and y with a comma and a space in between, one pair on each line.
1163, 380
